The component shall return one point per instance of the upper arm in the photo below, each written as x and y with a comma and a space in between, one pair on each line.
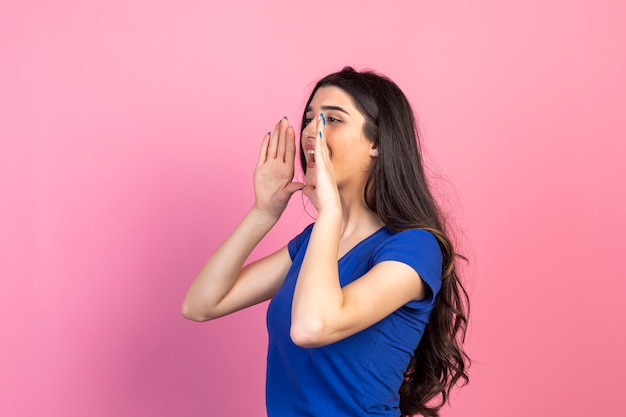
385, 288
406, 268
256, 282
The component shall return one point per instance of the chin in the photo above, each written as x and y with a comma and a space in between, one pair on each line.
309, 178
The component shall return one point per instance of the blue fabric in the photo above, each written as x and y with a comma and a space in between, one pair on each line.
361, 374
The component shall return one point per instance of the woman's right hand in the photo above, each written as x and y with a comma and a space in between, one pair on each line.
274, 170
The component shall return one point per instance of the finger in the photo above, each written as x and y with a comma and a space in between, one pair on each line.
282, 139
263, 151
273, 146
309, 192
292, 187
321, 147
290, 146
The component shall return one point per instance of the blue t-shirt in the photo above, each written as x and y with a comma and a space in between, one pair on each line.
361, 374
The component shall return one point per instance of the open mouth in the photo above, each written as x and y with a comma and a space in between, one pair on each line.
310, 156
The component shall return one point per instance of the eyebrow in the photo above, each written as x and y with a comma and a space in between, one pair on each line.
341, 109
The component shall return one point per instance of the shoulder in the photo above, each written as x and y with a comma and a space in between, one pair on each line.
416, 248
412, 241
299, 241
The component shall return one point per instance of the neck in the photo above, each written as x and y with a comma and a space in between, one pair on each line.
358, 218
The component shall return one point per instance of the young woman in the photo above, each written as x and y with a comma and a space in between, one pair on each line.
367, 314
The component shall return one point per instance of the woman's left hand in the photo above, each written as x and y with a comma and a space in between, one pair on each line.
325, 194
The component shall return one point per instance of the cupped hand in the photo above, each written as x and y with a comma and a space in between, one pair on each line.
274, 170
325, 194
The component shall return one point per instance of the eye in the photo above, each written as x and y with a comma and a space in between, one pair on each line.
331, 119
307, 120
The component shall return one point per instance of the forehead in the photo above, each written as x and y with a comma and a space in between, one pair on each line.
332, 95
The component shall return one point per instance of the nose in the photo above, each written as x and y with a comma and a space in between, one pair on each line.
309, 130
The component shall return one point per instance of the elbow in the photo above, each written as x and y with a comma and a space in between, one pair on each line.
193, 313
307, 333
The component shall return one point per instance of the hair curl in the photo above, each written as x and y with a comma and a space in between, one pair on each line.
397, 191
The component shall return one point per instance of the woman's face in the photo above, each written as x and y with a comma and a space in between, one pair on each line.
351, 152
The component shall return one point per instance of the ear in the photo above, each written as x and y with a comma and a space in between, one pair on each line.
374, 151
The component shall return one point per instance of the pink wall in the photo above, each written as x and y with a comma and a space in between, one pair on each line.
129, 132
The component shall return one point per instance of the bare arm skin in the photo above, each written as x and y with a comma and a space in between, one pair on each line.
223, 285
322, 311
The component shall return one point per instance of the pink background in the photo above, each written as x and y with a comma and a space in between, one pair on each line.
129, 132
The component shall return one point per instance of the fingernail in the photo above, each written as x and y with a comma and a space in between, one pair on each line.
323, 119
320, 135
285, 117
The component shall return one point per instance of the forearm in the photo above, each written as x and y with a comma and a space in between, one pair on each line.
218, 275
318, 295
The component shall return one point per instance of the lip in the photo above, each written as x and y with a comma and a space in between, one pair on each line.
310, 157
309, 153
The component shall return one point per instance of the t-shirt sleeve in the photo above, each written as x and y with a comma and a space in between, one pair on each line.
296, 243
420, 250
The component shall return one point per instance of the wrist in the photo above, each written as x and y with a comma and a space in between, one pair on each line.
262, 218
330, 211
330, 217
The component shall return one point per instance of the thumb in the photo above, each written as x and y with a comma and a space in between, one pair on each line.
309, 192
293, 187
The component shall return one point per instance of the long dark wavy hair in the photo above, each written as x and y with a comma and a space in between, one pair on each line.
397, 191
